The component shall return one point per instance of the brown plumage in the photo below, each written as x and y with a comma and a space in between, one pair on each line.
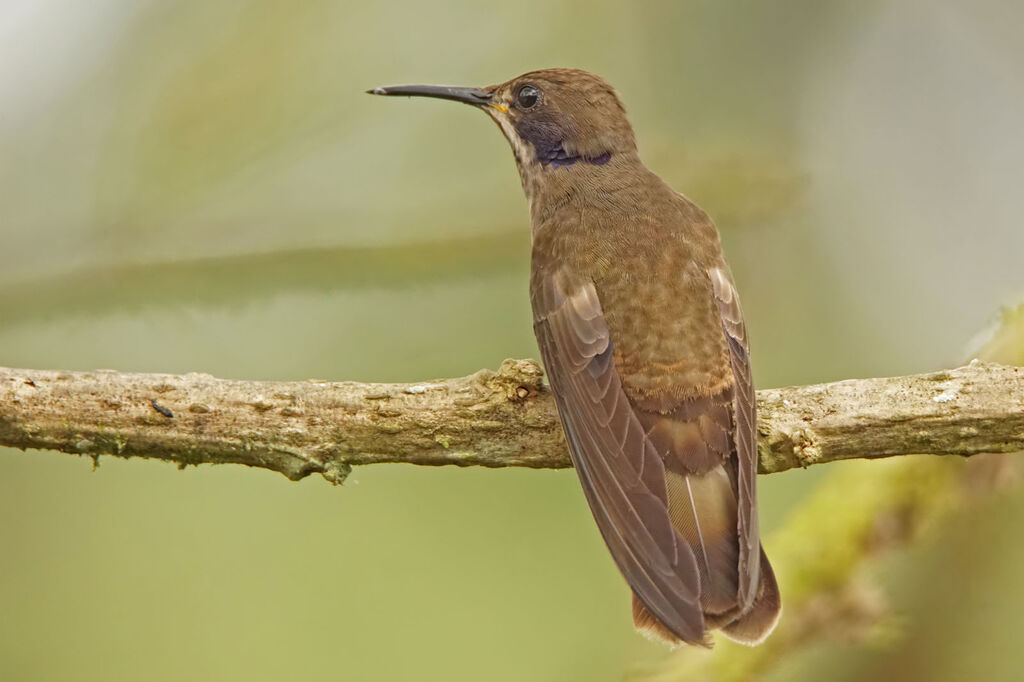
641, 333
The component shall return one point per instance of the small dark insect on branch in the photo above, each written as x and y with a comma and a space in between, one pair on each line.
162, 410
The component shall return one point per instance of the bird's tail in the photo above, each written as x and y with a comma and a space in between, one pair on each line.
751, 628
757, 623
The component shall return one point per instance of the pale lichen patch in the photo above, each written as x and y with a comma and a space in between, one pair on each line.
418, 389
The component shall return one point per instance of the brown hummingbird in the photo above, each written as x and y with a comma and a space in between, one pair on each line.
640, 329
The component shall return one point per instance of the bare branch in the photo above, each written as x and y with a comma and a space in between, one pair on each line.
494, 419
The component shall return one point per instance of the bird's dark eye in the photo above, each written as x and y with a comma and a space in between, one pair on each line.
527, 97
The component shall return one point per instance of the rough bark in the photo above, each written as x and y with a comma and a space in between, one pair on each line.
494, 419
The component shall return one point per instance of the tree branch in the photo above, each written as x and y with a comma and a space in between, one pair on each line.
494, 419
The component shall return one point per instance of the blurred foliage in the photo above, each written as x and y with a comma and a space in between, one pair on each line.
1004, 342
194, 186
854, 514
828, 557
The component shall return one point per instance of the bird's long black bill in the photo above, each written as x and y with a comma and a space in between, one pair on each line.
466, 95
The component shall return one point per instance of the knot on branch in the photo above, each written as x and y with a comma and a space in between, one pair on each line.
519, 380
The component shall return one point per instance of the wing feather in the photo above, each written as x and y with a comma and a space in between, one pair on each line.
623, 475
744, 407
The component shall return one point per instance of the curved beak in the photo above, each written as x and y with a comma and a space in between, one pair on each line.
472, 96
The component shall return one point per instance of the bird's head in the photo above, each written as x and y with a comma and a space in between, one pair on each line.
554, 119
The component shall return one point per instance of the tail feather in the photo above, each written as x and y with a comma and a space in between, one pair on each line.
651, 628
754, 626
750, 628
703, 512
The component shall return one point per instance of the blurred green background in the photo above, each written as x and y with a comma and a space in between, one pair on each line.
196, 186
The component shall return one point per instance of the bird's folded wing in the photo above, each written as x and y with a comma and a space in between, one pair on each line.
744, 431
623, 475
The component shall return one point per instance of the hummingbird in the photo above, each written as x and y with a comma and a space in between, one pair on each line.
642, 337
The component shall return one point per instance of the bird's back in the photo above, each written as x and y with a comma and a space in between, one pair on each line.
645, 374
